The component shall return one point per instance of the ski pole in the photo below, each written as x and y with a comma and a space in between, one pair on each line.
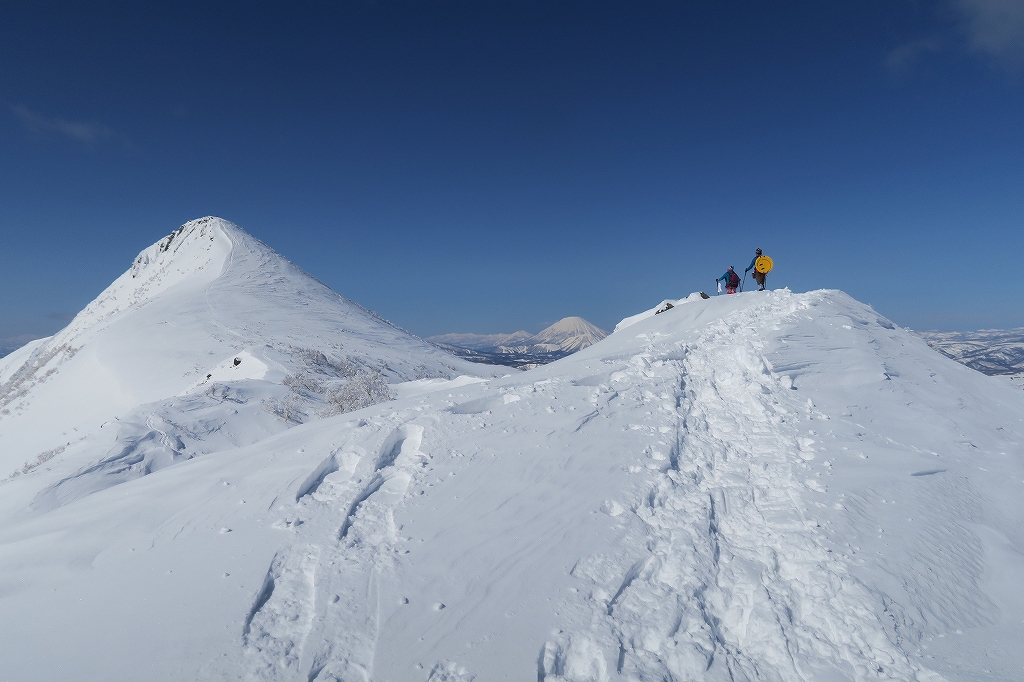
744, 281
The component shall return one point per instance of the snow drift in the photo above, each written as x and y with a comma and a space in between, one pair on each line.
767, 486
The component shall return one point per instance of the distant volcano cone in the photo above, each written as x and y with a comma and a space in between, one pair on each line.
570, 334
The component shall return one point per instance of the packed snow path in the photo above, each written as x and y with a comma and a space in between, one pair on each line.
768, 486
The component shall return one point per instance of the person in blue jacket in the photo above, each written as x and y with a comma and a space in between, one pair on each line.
731, 279
758, 276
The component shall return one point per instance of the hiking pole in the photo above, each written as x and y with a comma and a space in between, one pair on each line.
744, 281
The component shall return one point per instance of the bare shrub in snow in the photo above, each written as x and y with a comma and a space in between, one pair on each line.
42, 458
289, 409
424, 372
27, 375
367, 387
317, 362
304, 381
343, 384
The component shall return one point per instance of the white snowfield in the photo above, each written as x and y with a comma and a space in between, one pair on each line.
767, 486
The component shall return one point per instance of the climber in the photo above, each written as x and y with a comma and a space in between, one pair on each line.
760, 270
731, 280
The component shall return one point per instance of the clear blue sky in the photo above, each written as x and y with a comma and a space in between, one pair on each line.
489, 165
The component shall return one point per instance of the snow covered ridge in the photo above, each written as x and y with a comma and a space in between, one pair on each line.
662, 307
209, 340
766, 486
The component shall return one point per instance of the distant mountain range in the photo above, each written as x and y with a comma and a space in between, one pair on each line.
521, 349
990, 351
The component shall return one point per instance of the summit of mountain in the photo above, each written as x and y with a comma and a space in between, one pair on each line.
210, 339
569, 334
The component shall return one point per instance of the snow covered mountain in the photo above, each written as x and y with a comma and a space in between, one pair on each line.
568, 335
767, 486
209, 340
481, 342
990, 351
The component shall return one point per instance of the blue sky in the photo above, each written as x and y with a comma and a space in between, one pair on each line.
489, 165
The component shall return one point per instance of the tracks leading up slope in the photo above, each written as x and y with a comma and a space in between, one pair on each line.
765, 487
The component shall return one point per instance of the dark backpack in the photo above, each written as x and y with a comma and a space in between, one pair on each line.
734, 279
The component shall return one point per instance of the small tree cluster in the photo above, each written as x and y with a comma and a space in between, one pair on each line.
42, 458
367, 387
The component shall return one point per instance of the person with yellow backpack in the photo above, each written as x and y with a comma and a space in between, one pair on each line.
761, 265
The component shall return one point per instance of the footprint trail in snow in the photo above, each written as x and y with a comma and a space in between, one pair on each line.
771, 487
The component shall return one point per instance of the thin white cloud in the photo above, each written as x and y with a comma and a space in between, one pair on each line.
88, 133
991, 28
905, 57
994, 27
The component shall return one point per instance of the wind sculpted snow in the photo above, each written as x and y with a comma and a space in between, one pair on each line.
769, 486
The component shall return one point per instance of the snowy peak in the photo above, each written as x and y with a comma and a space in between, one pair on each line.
206, 316
193, 255
570, 334
182, 245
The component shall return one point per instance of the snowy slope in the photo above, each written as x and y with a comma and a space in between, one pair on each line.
662, 307
209, 340
767, 486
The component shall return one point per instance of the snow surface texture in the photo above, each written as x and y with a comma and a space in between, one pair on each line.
210, 340
769, 486
662, 307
